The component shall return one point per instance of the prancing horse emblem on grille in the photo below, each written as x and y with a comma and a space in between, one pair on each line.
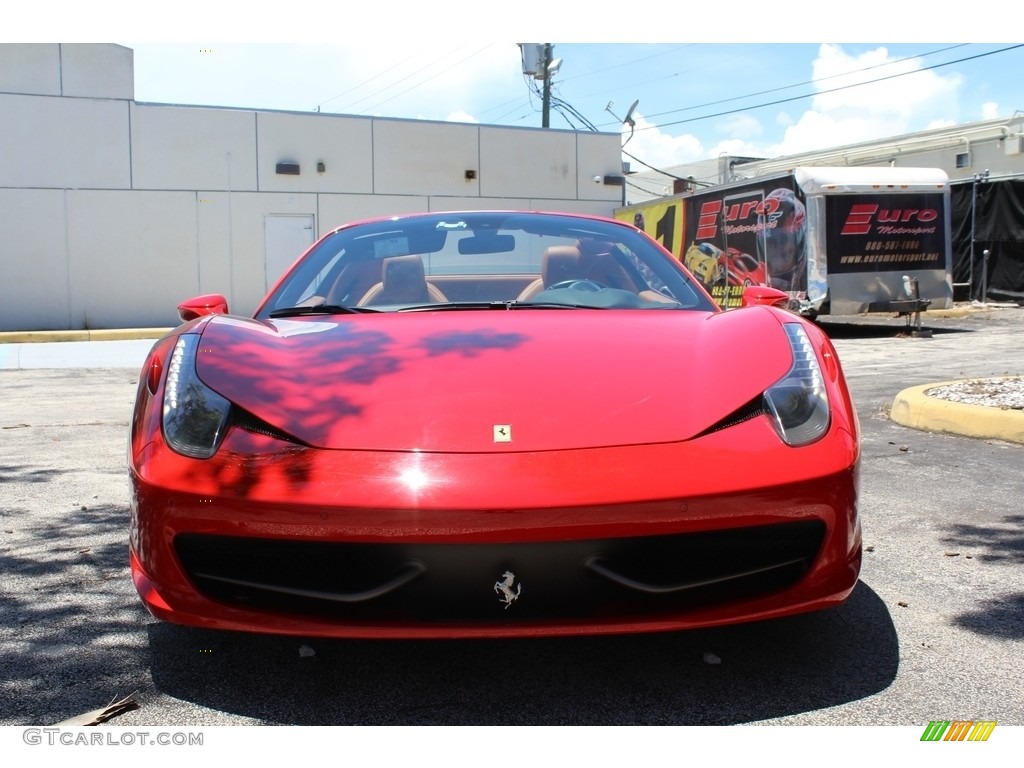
504, 588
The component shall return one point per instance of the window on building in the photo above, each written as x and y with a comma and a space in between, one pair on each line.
963, 159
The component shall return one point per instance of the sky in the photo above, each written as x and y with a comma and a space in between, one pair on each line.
695, 100
756, 84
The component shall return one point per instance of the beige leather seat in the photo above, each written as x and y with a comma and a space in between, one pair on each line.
559, 263
403, 281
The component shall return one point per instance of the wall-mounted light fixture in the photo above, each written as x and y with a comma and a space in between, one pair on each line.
470, 175
612, 180
288, 168
321, 166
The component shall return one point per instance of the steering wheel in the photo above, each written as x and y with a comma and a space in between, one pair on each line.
591, 286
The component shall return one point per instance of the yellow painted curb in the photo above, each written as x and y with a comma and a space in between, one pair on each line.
100, 334
913, 408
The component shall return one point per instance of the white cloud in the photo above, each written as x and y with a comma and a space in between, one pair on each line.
660, 149
742, 126
990, 111
784, 119
736, 148
461, 117
890, 106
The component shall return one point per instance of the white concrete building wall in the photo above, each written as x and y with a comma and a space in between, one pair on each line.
248, 276
343, 144
113, 211
429, 159
59, 143
98, 71
516, 169
30, 68
35, 289
192, 148
128, 252
335, 210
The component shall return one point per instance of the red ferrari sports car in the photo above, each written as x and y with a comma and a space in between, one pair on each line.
491, 424
741, 268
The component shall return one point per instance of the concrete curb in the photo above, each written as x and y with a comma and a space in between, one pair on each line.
913, 408
108, 334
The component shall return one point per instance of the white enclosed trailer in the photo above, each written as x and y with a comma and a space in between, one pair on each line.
839, 240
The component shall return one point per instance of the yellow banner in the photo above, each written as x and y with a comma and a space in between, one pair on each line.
662, 220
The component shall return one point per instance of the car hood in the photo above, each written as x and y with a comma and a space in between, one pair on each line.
490, 381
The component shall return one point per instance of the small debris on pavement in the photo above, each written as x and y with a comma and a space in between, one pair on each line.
97, 716
305, 652
710, 658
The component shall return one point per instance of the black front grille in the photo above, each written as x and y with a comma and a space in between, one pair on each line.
458, 582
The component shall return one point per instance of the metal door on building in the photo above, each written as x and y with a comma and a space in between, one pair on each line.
287, 236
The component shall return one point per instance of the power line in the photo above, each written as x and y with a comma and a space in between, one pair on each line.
563, 106
797, 85
807, 82
830, 90
409, 77
367, 82
634, 185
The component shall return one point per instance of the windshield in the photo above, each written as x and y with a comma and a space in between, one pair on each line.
469, 260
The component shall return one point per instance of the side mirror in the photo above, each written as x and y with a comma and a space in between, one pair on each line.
757, 295
200, 306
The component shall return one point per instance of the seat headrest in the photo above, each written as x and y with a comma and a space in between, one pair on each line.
560, 262
404, 279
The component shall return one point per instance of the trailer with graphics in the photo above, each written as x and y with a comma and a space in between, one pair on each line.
839, 241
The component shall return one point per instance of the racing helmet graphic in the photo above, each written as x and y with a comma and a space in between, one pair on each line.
785, 233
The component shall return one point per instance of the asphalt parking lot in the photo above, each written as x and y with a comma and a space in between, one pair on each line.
934, 630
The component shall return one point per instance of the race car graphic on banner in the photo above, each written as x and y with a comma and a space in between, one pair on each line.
750, 236
732, 239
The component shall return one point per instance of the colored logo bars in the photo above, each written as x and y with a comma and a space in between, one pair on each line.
958, 730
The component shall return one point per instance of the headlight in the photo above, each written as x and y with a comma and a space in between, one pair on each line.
194, 415
798, 403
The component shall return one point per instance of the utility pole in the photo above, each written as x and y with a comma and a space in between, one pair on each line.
539, 63
974, 204
546, 69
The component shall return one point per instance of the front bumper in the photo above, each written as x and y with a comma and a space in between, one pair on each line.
347, 544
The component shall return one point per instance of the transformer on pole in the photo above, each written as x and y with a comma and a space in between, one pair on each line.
539, 64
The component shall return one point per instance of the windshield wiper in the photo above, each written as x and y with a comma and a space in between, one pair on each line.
506, 305
320, 309
451, 305
554, 305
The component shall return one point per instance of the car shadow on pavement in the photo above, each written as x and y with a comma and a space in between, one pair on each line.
739, 674
869, 329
